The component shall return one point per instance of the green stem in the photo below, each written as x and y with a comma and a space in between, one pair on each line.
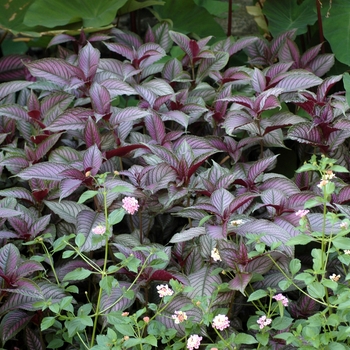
51, 262
104, 271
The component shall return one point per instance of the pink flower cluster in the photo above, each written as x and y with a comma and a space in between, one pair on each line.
99, 230
221, 322
179, 317
302, 213
280, 297
164, 290
263, 321
130, 204
194, 341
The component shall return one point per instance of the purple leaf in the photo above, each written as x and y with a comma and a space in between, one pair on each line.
126, 114
88, 59
203, 282
86, 221
221, 200
46, 145
216, 232
260, 264
32, 340
19, 193
8, 213
128, 38
155, 127
44, 171
71, 119
12, 67
172, 69
211, 64
13, 86
12, 323
240, 44
117, 88
321, 64
176, 116
289, 52
121, 49
100, 99
326, 85
67, 210
54, 69
65, 155
240, 201
240, 282
60, 39
91, 134
187, 234
9, 258
16, 112
298, 80
68, 186
92, 160
258, 81
260, 166
182, 40
39, 225
159, 177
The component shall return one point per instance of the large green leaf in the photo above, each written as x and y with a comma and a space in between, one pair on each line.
12, 15
187, 17
286, 15
133, 5
52, 13
336, 29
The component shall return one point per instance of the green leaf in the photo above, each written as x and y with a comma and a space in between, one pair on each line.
316, 290
258, 294
77, 275
286, 15
306, 277
341, 242
53, 13
87, 195
263, 338
120, 189
67, 254
294, 266
243, 338
187, 17
301, 239
124, 329
313, 202
133, 5
116, 216
336, 28
216, 8
204, 220
46, 323
339, 168
281, 323
80, 240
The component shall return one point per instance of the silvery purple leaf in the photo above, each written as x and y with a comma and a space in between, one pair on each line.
45, 146
126, 114
68, 186
91, 134
128, 38
176, 116
258, 80
326, 85
240, 282
65, 155
117, 87
39, 225
9, 258
55, 70
221, 200
216, 232
12, 67
322, 64
203, 282
183, 41
13, 86
155, 127
19, 193
240, 201
271, 232
66, 210
240, 44
159, 177
289, 52
260, 166
305, 133
44, 171
100, 99
12, 323
121, 49
60, 39
208, 65
86, 220
15, 112
188, 234
283, 184
92, 160
88, 59
172, 69
71, 119
298, 80
309, 55
280, 40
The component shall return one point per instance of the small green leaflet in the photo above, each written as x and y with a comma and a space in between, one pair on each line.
87, 195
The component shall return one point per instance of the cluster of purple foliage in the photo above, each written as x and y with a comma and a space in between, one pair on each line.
194, 139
